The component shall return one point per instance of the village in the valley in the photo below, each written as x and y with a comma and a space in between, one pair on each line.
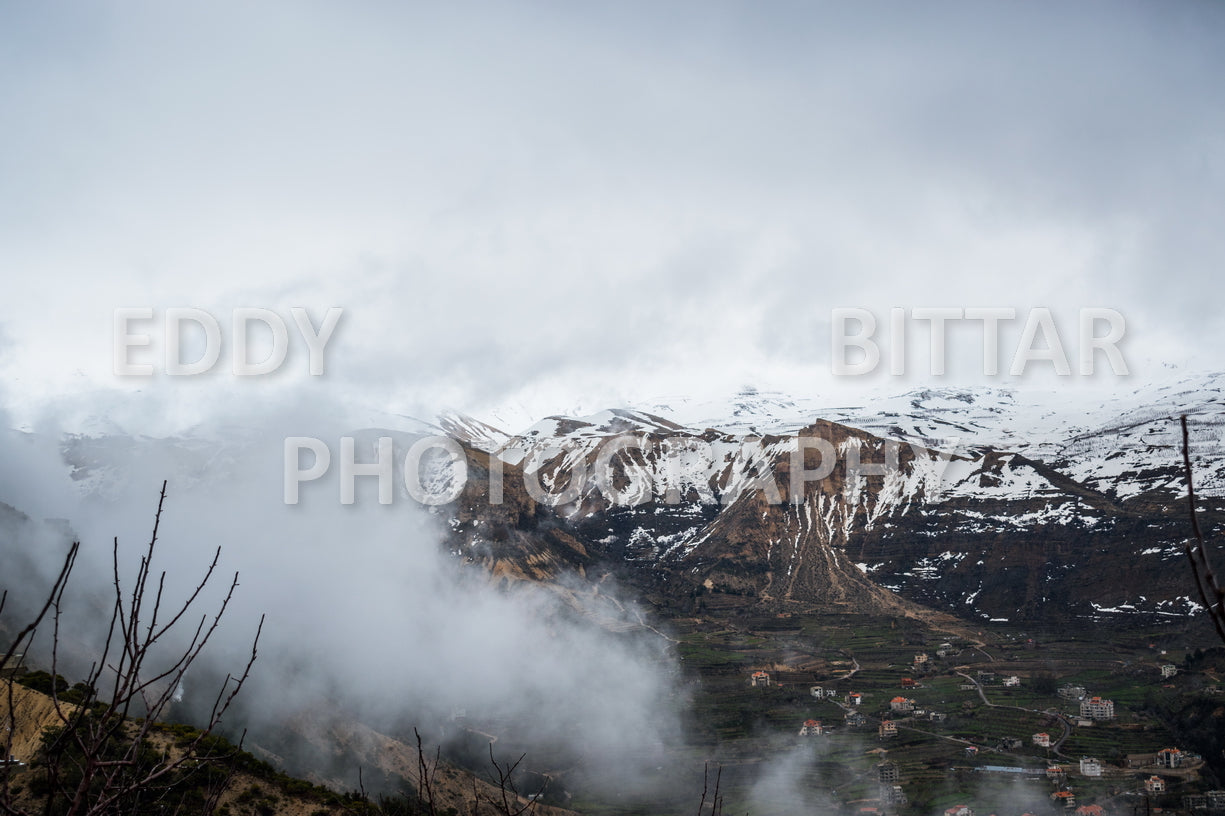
1012, 742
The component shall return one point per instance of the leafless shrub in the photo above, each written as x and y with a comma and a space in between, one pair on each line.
101, 758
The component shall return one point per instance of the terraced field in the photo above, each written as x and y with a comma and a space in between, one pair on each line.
752, 733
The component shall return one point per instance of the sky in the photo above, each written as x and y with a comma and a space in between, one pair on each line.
561, 207
528, 208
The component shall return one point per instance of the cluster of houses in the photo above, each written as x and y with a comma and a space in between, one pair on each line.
1165, 758
908, 707
1207, 802
990, 678
922, 661
853, 698
1213, 800
1092, 768
1091, 708
901, 706
852, 719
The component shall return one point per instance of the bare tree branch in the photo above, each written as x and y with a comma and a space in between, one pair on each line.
1210, 590
102, 759
716, 802
425, 776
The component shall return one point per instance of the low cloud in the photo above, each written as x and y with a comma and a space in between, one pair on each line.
365, 613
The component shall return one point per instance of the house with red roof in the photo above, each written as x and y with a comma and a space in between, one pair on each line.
812, 728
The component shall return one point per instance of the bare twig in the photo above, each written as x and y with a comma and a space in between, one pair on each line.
716, 801
425, 776
705, 783
26, 634
99, 759
1210, 590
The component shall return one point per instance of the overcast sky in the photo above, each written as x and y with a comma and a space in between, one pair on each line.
562, 205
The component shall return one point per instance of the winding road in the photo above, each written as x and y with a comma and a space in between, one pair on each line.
1067, 727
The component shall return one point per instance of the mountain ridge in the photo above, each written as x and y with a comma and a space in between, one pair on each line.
1031, 513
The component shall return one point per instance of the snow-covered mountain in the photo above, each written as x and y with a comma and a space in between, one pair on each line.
1103, 438
1002, 505
988, 503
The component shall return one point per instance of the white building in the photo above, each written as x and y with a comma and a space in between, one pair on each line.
1097, 708
1090, 767
1170, 758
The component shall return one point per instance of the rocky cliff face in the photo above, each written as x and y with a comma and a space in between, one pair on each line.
705, 512
1083, 516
